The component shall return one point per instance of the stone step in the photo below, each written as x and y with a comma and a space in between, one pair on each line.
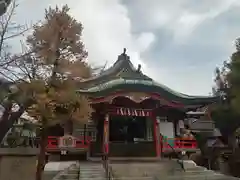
69, 173
87, 168
200, 177
196, 172
93, 178
67, 176
92, 171
93, 174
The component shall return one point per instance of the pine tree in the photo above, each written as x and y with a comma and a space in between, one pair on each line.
234, 78
227, 113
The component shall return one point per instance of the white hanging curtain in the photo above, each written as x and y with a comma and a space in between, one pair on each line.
132, 112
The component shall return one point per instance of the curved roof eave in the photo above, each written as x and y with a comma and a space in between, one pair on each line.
156, 87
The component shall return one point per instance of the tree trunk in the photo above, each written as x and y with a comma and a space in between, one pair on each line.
7, 110
9, 118
41, 156
68, 127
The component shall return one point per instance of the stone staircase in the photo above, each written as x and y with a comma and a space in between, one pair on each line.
192, 171
164, 170
75, 171
69, 173
142, 170
155, 170
91, 171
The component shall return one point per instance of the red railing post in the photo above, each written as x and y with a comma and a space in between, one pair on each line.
157, 137
177, 143
106, 135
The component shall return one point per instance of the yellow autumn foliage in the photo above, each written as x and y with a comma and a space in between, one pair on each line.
59, 51
55, 105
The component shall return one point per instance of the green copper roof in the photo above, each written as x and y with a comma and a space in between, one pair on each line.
116, 82
122, 68
148, 87
122, 76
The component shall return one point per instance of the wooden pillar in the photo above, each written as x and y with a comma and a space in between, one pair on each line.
157, 136
106, 134
175, 121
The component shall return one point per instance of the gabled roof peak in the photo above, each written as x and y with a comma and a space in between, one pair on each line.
122, 68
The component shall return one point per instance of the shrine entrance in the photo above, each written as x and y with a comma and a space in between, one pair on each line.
131, 134
127, 129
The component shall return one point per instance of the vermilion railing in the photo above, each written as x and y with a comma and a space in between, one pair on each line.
178, 143
84, 142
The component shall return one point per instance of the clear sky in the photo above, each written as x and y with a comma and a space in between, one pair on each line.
178, 42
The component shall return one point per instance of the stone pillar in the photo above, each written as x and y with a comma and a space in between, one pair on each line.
157, 136
106, 134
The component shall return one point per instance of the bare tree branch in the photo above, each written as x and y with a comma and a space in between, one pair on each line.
6, 23
8, 61
9, 30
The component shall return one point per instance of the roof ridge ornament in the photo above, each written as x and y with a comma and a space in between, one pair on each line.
124, 56
139, 68
124, 51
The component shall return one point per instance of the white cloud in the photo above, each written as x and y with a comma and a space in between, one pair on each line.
186, 23
144, 41
178, 16
108, 28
